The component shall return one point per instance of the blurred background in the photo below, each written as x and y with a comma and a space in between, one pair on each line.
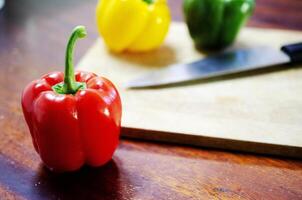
25, 25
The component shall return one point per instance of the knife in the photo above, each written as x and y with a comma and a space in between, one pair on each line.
225, 63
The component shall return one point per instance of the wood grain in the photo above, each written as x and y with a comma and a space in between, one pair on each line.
33, 34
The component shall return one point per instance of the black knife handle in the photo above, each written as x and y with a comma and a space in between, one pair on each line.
294, 51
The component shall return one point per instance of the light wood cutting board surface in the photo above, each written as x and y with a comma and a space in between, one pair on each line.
255, 112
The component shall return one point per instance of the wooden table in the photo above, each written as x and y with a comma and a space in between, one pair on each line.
32, 42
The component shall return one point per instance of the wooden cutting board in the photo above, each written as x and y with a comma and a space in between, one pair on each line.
254, 112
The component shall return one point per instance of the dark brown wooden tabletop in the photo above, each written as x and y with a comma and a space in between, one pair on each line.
33, 36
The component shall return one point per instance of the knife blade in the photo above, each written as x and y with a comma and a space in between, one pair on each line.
225, 63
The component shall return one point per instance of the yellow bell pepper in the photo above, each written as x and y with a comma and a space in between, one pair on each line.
133, 25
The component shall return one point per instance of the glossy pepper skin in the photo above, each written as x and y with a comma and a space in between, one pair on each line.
214, 24
73, 120
133, 25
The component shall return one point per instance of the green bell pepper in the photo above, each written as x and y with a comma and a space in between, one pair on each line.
214, 24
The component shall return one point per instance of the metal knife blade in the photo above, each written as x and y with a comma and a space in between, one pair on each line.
221, 64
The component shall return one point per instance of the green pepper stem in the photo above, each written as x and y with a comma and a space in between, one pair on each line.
148, 1
70, 85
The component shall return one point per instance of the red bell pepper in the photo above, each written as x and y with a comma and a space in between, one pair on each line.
73, 119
